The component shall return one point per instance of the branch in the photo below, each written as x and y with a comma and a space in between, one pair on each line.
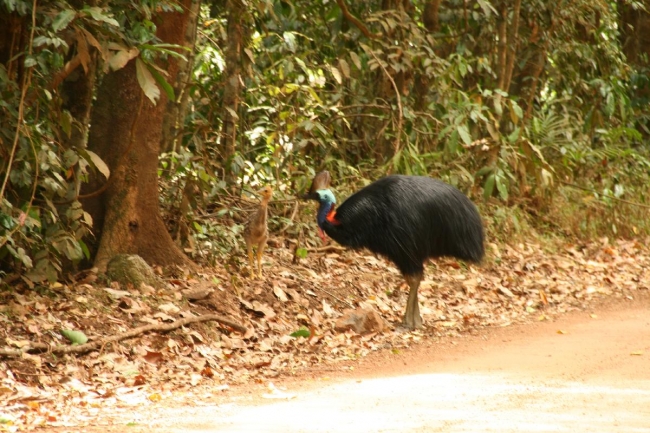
355, 21
83, 348
68, 69
513, 40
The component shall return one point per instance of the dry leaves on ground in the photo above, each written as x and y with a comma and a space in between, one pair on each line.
290, 317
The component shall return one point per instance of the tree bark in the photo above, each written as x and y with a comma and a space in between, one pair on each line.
77, 92
126, 132
232, 82
176, 110
635, 39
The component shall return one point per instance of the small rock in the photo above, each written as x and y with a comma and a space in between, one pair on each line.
361, 321
197, 294
131, 269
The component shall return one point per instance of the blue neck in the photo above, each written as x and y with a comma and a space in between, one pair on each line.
323, 210
326, 200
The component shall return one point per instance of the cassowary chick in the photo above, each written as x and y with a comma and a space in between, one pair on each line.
256, 232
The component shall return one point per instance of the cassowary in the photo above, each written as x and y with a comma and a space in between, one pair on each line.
256, 232
406, 219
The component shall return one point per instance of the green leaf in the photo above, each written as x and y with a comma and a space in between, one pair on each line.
65, 121
169, 90
501, 187
302, 332
98, 15
336, 74
487, 8
488, 188
232, 113
301, 253
515, 112
345, 68
452, 143
30, 61
146, 81
73, 250
497, 106
99, 163
514, 136
75, 337
63, 19
85, 249
464, 134
355, 59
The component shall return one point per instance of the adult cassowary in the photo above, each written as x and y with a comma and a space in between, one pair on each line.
406, 219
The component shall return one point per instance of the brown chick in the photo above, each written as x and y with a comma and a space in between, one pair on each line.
256, 232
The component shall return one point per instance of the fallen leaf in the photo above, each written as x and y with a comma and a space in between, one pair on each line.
153, 357
279, 293
75, 337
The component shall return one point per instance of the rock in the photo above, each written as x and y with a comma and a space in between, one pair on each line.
197, 294
131, 269
361, 321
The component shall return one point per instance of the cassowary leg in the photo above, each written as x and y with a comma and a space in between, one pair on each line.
412, 318
260, 252
249, 248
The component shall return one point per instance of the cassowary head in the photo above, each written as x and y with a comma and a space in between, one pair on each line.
326, 204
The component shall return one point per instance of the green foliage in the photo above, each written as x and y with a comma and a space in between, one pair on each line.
42, 225
302, 332
75, 337
384, 94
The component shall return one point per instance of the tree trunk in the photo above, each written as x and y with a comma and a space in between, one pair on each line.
635, 28
77, 92
174, 117
126, 132
232, 82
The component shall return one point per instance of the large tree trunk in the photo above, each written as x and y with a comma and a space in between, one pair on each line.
126, 132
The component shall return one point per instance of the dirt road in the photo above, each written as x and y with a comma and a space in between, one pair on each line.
586, 372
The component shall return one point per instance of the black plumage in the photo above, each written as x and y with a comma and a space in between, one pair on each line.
406, 219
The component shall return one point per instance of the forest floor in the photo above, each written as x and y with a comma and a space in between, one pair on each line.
479, 321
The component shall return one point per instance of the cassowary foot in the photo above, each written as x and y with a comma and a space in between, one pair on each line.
413, 321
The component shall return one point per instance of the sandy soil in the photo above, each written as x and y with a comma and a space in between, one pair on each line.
585, 372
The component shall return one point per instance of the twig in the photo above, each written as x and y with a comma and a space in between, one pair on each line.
291, 218
162, 327
354, 20
325, 249
334, 296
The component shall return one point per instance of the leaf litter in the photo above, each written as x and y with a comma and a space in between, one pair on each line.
290, 316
